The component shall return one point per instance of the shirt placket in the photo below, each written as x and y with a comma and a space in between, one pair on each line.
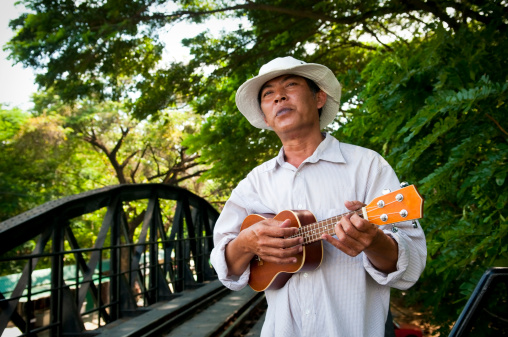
299, 202
298, 195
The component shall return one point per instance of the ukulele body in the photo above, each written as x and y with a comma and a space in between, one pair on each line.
266, 275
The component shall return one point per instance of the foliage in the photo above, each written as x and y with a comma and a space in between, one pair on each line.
436, 110
32, 168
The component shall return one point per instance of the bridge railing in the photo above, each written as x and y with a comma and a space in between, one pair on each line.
69, 286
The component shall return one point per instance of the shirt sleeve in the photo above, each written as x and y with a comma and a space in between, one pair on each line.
412, 248
226, 229
411, 259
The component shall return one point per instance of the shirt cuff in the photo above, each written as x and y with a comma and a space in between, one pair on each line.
395, 277
218, 259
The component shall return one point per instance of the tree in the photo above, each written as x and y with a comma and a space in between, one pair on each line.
137, 151
424, 84
121, 149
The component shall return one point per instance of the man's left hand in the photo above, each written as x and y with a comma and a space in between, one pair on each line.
356, 235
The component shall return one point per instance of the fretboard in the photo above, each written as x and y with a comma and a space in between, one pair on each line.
313, 231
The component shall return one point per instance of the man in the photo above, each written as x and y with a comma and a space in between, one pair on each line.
348, 295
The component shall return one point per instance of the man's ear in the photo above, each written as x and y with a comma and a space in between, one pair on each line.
321, 97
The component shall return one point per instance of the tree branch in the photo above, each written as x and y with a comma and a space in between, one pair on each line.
197, 173
120, 141
94, 141
497, 123
368, 30
432, 7
304, 13
126, 160
133, 172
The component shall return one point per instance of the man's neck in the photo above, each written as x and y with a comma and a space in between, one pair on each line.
301, 147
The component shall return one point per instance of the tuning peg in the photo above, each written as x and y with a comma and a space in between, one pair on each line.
386, 191
404, 184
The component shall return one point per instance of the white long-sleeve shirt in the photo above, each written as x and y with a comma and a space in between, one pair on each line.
346, 296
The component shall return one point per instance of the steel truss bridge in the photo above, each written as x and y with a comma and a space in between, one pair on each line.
67, 286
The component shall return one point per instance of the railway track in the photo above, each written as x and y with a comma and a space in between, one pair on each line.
211, 310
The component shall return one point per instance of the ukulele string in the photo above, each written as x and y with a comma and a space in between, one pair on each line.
372, 208
312, 232
379, 216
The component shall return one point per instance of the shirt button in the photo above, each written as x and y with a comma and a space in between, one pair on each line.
307, 312
299, 206
305, 275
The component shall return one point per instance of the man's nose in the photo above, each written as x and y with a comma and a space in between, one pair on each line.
280, 96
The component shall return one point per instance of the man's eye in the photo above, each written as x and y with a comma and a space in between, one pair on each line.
266, 93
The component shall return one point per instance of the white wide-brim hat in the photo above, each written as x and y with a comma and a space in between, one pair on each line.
247, 95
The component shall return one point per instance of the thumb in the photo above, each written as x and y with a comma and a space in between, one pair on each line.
354, 205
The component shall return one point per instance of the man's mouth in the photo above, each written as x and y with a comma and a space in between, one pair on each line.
282, 112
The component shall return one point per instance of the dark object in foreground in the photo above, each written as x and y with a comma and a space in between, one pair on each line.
486, 312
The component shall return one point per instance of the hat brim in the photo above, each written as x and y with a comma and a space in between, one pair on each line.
247, 95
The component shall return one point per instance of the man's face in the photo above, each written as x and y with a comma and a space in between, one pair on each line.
288, 104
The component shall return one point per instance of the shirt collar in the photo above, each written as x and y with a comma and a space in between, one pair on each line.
328, 150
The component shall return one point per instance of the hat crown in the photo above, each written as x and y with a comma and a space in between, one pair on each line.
280, 63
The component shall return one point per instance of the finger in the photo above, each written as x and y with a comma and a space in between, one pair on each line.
353, 224
276, 228
346, 227
286, 223
355, 236
277, 260
291, 231
340, 230
349, 230
276, 237
280, 256
346, 246
282, 243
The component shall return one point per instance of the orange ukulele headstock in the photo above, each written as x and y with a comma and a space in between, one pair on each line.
401, 205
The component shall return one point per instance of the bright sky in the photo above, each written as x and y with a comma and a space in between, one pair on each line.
17, 82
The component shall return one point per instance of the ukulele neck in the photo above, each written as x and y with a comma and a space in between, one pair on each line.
313, 232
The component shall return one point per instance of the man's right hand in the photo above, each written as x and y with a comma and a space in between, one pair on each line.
268, 239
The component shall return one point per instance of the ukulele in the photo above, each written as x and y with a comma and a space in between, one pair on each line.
401, 205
